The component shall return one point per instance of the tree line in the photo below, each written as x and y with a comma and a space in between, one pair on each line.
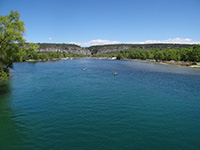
184, 54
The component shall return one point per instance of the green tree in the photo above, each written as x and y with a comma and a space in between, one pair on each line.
170, 54
119, 56
196, 53
142, 55
159, 55
183, 54
11, 38
31, 50
12, 43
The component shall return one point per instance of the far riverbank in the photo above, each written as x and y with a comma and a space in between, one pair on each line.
171, 62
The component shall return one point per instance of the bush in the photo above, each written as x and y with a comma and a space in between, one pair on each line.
194, 63
119, 56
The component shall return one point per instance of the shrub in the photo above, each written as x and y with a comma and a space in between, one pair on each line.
194, 63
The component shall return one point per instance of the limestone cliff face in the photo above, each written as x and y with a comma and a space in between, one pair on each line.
67, 48
100, 49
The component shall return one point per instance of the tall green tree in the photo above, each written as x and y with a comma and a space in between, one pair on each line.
195, 55
11, 38
159, 55
12, 43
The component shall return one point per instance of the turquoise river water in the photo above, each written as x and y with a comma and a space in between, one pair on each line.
58, 106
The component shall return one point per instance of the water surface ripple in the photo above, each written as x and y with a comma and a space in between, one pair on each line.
56, 105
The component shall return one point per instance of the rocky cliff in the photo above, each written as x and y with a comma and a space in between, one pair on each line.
100, 49
67, 48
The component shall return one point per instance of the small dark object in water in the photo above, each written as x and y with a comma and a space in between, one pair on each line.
115, 73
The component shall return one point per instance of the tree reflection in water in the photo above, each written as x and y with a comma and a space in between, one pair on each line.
9, 136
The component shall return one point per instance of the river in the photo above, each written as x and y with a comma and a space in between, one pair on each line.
57, 105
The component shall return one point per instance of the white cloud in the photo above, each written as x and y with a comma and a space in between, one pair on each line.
172, 41
50, 38
103, 42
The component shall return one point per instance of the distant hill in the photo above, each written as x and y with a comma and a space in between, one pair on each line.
100, 49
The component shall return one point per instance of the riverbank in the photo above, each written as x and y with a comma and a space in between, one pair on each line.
171, 62
179, 63
66, 58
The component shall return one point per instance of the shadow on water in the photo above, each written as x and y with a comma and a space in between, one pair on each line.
10, 129
4, 88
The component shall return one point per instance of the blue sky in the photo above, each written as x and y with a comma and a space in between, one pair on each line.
91, 22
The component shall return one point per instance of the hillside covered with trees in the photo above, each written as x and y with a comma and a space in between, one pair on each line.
183, 54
